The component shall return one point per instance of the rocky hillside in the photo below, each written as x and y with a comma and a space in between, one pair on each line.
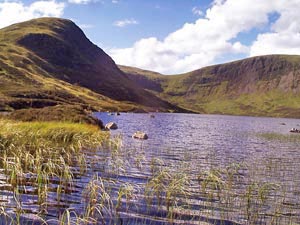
49, 61
262, 86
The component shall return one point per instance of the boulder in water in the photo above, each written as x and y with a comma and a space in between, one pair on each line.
140, 135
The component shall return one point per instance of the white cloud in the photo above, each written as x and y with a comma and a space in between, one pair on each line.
125, 22
197, 44
115, 1
214, 37
284, 37
14, 12
197, 11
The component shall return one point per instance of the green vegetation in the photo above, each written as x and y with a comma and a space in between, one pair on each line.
33, 135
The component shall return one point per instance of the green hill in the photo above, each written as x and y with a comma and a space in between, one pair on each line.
49, 61
259, 86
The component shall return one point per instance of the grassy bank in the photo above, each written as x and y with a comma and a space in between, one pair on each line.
45, 147
60, 113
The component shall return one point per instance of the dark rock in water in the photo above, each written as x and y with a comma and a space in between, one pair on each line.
152, 116
282, 124
140, 135
111, 126
294, 130
118, 114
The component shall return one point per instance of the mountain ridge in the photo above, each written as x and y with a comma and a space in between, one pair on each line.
258, 86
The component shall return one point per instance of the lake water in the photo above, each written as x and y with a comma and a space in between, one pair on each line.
228, 138
193, 169
208, 142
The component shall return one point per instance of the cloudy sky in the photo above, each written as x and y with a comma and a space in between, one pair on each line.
174, 36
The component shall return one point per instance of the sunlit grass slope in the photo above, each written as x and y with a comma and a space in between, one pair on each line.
49, 61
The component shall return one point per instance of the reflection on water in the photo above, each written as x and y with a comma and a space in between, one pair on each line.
193, 169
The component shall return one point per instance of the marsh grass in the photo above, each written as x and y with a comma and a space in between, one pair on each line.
39, 153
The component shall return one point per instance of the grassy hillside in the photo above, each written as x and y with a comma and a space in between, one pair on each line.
260, 86
47, 62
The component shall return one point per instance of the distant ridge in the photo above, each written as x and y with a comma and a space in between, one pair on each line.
258, 86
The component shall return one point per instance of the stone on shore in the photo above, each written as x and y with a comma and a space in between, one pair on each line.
111, 126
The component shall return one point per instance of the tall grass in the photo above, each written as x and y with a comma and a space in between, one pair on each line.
36, 153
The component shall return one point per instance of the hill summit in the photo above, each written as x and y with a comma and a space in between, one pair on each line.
49, 61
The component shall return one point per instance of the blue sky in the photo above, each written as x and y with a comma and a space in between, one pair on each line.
154, 18
174, 36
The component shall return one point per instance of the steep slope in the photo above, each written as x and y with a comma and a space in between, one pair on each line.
264, 86
48, 61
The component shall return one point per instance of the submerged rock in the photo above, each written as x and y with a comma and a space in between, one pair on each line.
140, 135
111, 126
152, 116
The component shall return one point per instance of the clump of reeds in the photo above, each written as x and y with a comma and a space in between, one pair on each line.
39, 152
167, 188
